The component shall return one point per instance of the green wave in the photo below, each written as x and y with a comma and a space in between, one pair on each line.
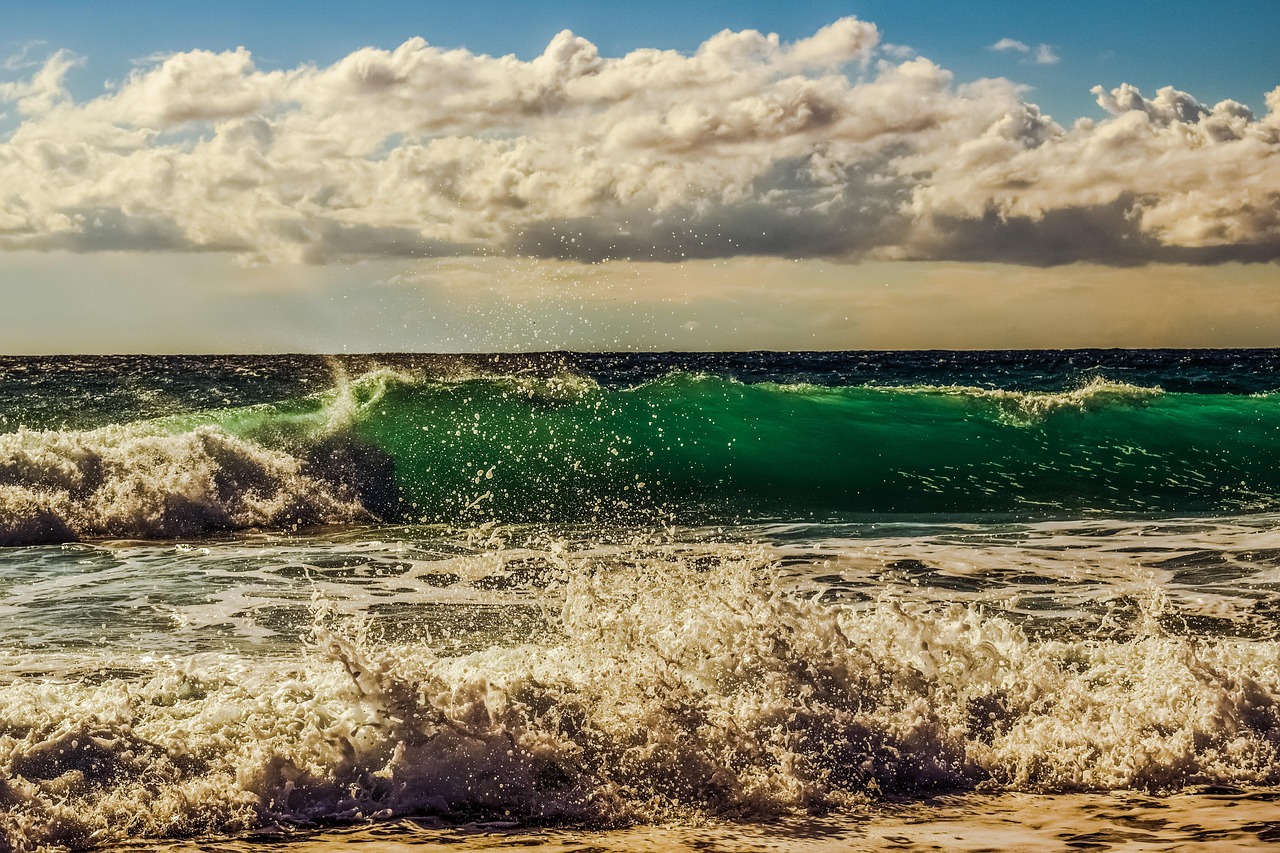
691, 446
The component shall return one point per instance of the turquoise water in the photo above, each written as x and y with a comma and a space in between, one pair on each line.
707, 447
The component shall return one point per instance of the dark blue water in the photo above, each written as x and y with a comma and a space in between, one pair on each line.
86, 391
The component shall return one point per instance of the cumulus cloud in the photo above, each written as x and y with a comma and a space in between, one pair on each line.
831, 146
44, 89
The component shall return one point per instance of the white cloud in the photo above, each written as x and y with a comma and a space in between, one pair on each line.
1006, 44
44, 90
830, 146
22, 59
1046, 55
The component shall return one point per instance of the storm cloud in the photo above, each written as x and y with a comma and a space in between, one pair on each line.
827, 147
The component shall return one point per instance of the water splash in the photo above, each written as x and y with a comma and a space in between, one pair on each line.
670, 685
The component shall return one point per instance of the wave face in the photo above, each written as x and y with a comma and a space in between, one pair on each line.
705, 447
683, 447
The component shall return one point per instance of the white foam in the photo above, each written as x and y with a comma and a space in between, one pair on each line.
674, 686
57, 485
1023, 408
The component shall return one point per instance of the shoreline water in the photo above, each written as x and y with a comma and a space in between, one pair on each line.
1196, 822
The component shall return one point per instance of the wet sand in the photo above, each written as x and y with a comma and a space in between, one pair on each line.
1201, 822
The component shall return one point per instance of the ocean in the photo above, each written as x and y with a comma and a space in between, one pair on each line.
641, 601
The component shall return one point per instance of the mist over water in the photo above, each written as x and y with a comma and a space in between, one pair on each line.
593, 593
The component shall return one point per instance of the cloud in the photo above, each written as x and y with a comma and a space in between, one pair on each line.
832, 146
21, 60
44, 90
1046, 55
1011, 44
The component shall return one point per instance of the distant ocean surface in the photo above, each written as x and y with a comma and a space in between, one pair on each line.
663, 601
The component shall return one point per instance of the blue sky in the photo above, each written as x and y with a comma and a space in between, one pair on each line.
880, 174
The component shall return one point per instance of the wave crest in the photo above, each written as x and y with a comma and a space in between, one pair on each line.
56, 486
1025, 408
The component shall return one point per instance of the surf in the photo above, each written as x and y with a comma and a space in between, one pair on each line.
466, 448
668, 684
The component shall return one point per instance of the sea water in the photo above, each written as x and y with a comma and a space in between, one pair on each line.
808, 601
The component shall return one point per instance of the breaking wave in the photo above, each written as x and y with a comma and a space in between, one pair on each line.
687, 447
57, 486
1026, 408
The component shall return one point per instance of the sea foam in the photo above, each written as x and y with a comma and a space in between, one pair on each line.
670, 687
122, 482
1025, 408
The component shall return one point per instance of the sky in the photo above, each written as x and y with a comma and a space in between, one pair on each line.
383, 176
